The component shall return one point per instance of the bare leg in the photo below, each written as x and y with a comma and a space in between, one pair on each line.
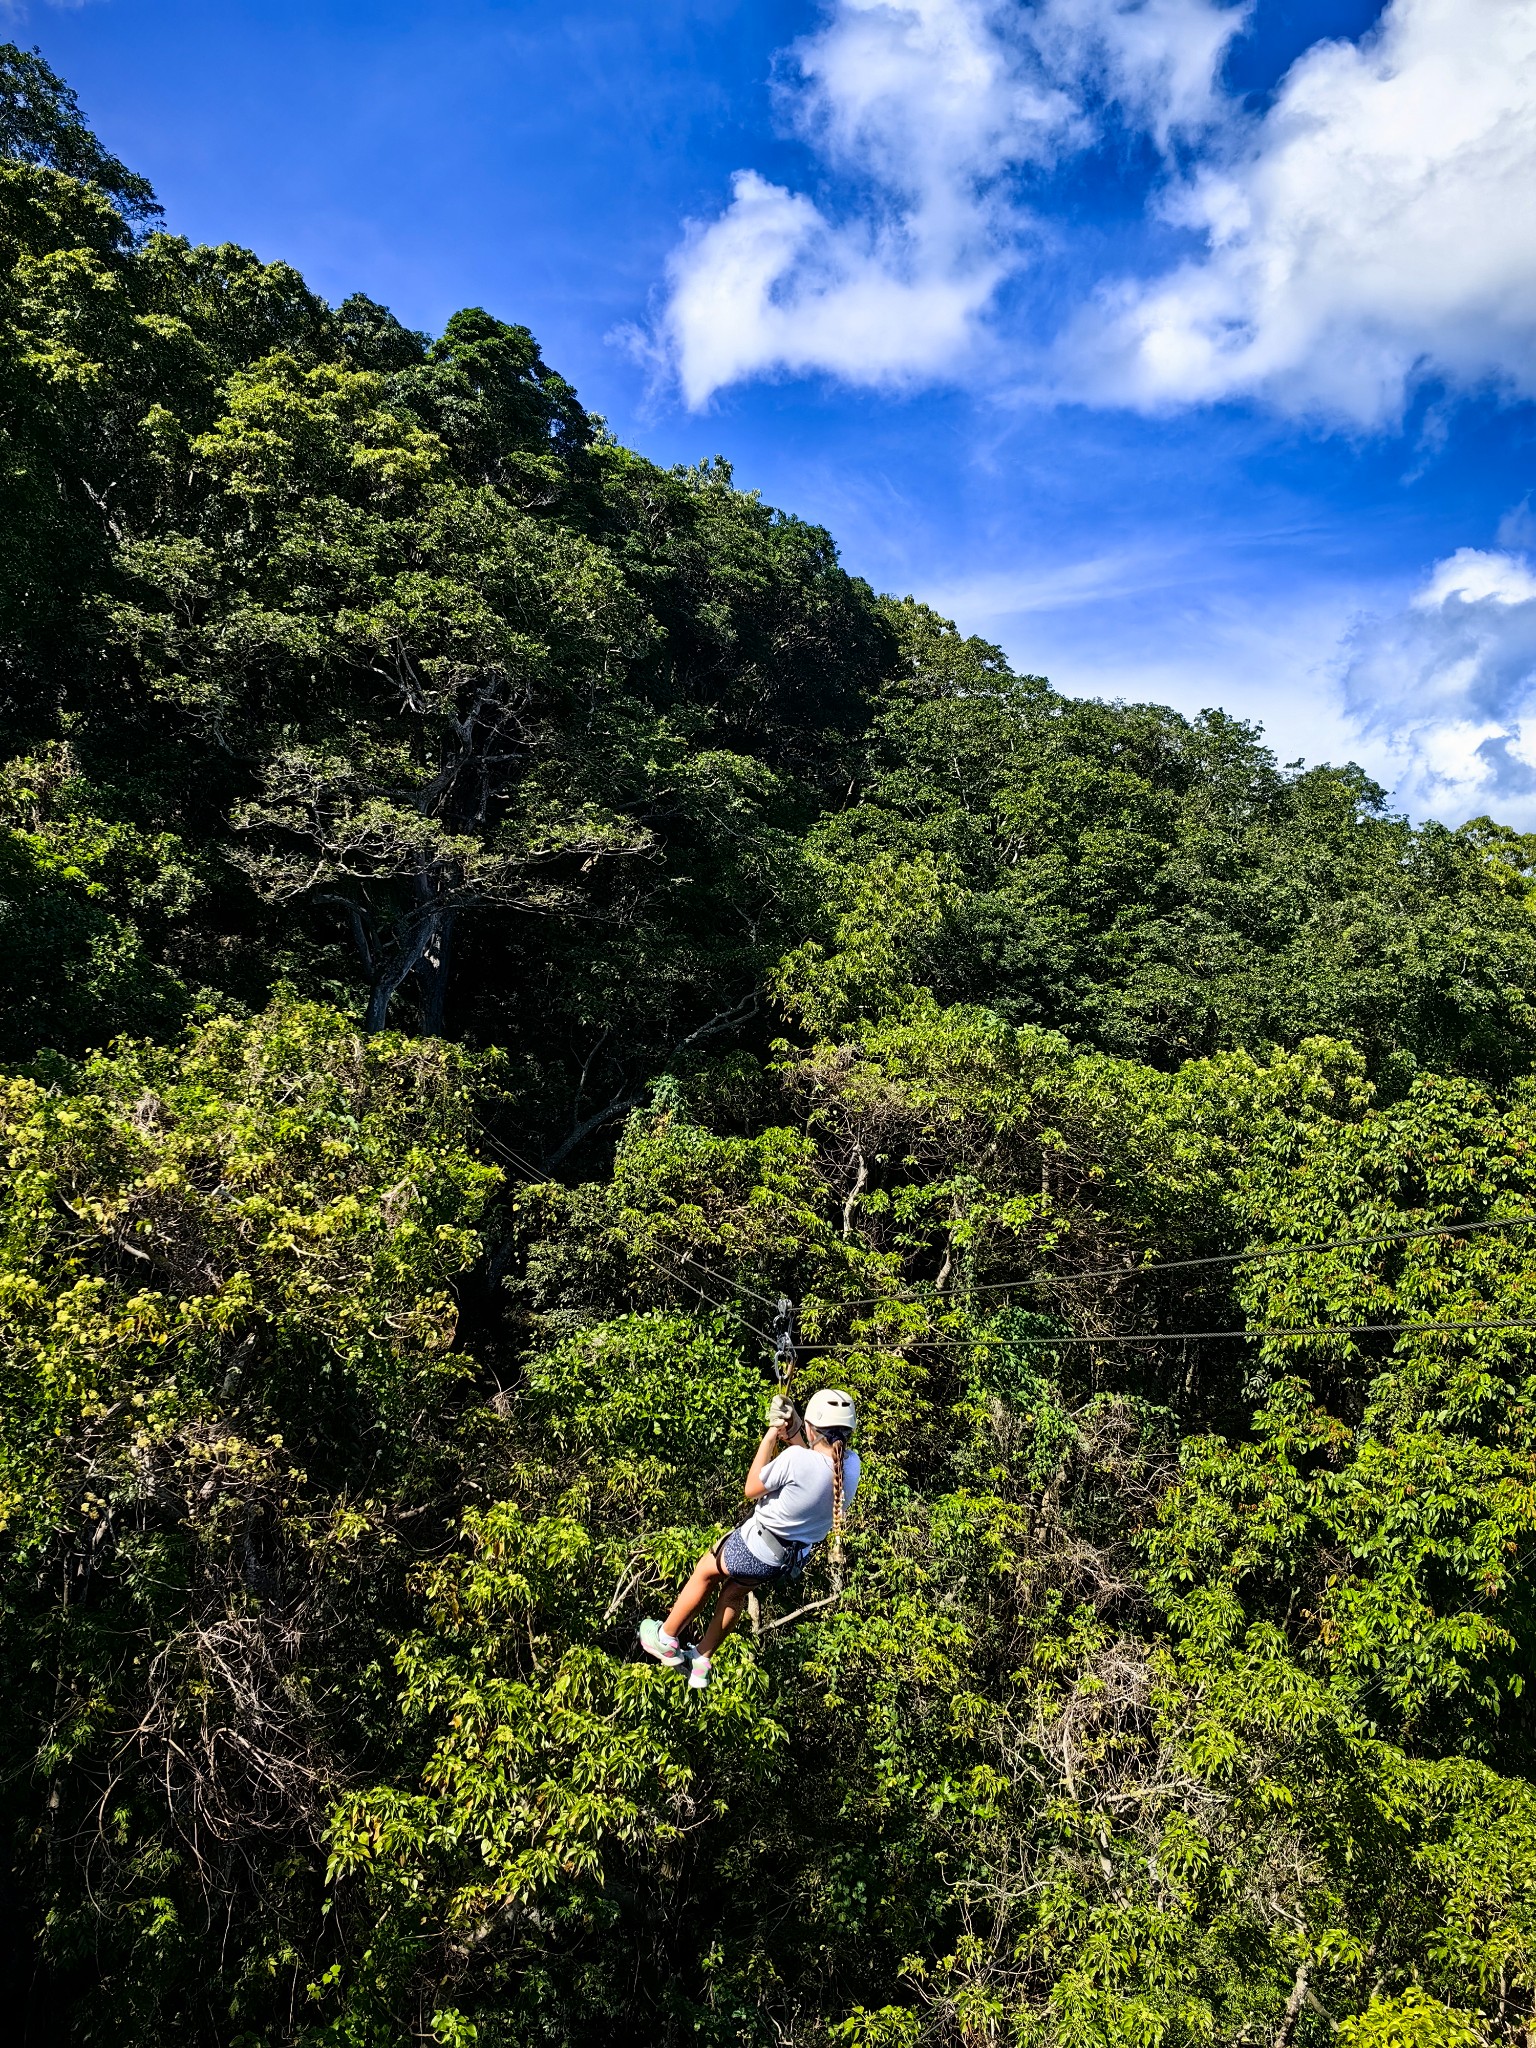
733, 1597
706, 1575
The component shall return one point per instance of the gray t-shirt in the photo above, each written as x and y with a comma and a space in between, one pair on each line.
797, 1503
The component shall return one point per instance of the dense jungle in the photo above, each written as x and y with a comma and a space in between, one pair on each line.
481, 916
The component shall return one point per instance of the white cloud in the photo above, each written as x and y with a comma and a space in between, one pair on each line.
1448, 685
773, 285
1159, 61
1374, 226
932, 107
1474, 575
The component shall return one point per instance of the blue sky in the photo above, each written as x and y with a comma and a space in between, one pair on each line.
1186, 348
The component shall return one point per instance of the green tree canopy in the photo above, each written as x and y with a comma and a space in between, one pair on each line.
482, 916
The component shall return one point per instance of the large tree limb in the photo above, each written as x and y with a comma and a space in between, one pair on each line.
606, 1115
1293, 2004
723, 1020
386, 984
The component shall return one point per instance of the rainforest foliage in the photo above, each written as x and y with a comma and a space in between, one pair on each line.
480, 916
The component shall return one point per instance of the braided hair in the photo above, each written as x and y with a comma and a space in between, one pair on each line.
836, 1441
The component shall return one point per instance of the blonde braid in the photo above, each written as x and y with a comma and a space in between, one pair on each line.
838, 1448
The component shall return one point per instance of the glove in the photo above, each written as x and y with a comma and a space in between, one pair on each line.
781, 1413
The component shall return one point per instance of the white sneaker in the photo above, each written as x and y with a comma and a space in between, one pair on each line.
655, 1641
699, 1668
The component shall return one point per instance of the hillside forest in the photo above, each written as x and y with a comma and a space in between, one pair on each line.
481, 917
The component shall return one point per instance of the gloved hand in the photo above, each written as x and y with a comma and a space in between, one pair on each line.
781, 1413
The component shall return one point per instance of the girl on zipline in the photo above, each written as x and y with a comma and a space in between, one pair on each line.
802, 1490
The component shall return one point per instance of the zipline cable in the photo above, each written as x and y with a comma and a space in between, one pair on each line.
535, 1176
1180, 1336
1519, 1571
1263, 1253
682, 1280
1273, 1251
726, 1308
1051, 1341
1292, 1251
1330, 1244
741, 1287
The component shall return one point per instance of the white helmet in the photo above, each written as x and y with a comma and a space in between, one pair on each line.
831, 1410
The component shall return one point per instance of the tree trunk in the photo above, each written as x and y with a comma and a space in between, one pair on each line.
388, 978
861, 1180
380, 996
432, 974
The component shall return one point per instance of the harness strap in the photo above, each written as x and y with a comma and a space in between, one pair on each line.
788, 1567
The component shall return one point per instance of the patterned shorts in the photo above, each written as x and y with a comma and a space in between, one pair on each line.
744, 1564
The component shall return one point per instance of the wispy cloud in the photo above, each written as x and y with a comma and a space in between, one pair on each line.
1025, 592
15, 12
929, 110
